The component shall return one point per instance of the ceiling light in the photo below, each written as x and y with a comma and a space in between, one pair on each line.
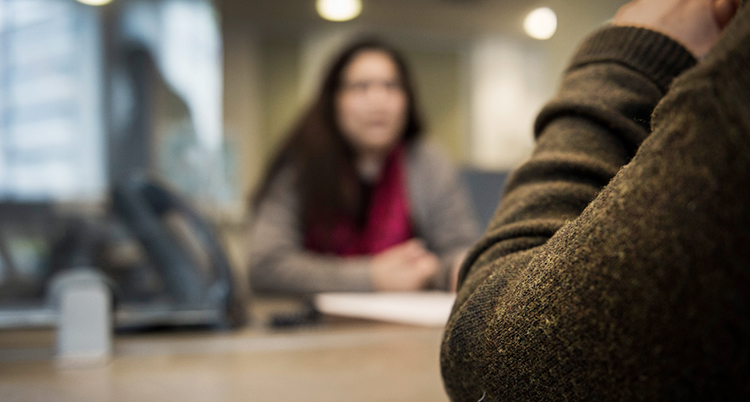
541, 23
95, 2
339, 10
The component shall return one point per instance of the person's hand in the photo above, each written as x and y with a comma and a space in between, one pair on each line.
455, 270
405, 267
696, 24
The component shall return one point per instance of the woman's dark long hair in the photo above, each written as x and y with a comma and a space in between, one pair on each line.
327, 179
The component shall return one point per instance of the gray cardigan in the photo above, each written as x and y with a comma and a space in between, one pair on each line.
441, 214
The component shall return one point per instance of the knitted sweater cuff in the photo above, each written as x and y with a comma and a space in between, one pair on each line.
651, 53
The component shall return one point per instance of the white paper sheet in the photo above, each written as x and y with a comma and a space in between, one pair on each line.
430, 309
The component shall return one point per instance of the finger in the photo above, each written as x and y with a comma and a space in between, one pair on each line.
415, 248
724, 11
404, 249
427, 264
416, 242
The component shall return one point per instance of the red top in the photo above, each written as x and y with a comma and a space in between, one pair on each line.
387, 224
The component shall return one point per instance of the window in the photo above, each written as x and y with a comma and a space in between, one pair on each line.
51, 133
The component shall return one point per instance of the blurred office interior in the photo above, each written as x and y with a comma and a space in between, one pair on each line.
182, 103
480, 77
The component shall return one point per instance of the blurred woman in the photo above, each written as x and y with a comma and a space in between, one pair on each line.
356, 200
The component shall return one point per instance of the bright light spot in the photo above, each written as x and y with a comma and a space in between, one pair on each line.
541, 23
339, 10
95, 2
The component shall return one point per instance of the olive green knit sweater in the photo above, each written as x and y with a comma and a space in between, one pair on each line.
617, 266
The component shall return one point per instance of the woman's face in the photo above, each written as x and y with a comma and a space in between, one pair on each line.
371, 103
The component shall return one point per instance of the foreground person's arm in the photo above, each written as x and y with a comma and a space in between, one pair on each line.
643, 295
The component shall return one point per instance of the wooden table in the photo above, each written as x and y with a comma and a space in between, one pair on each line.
339, 360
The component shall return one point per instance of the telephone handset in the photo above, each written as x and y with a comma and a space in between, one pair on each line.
181, 244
